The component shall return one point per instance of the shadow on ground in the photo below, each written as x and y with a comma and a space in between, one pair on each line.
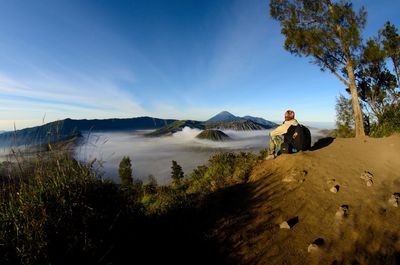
322, 143
185, 236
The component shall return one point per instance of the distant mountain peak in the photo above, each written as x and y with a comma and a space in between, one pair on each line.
224, 112
224, 116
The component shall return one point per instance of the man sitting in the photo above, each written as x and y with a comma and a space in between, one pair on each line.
276, 135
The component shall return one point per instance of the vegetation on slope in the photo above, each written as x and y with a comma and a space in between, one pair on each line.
177, 126
213, 135
243, 125
55, 210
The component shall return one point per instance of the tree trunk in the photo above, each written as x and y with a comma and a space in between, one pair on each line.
358, 115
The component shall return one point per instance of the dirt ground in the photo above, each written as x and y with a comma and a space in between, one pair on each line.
359, 224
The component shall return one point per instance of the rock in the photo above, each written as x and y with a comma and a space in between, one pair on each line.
334, 185
296, 175
312, 248
367, 176
288, 179
289, 223
284, 225
335, 189
342, 212
316, 245
395, 199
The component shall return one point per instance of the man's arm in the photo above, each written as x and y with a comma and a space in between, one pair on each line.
282, 129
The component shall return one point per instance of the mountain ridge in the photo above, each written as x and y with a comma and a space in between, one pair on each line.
67, 128
224, 116
64, 129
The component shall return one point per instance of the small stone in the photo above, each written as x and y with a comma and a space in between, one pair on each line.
335, 189
284, 225
314, 246
289, 223
288, 179
342, 212
367, 176
394, 199
295, 175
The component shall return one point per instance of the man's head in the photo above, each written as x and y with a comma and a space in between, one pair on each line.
289, 115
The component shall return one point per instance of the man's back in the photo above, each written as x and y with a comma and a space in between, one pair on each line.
282, 129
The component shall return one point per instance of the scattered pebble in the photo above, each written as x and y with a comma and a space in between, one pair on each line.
334, 185
288, 179
295, 175
335, 189
284, 225
394, 199
367, 176
289, 223
314, 246
342, 212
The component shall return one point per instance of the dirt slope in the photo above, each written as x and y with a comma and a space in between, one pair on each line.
298, 186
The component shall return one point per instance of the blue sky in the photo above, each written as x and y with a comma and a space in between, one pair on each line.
184, 59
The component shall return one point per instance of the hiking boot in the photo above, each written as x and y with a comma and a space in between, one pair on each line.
269, 157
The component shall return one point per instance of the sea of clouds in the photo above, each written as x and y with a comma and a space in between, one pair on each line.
153, 155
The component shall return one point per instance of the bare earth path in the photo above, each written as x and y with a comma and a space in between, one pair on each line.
359, 224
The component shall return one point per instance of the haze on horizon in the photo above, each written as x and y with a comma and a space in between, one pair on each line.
168, 59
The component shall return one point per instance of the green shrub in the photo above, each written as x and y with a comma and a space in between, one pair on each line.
56, 210
389, 122
223, 169
166, 200
59, 212
125, 171
176, 172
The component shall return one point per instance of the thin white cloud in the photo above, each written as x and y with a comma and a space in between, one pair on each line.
85, 97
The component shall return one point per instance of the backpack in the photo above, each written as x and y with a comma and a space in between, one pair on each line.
297, 137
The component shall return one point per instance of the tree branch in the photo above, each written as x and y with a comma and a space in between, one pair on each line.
334, 72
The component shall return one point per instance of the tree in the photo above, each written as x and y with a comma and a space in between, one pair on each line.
376, 84
151, 186
176, 173
344, 117
328, 32
125, 171
391, 43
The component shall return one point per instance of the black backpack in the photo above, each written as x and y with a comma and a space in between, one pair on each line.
297, 137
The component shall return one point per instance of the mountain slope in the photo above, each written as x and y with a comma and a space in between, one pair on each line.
224, 116
242, 125
298, 187
63, 129
177, 126
264, 122
213, 135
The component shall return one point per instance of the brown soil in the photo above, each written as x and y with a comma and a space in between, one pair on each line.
298, 185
